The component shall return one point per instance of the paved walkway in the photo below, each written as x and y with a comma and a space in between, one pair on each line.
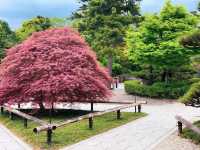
143, 134
175, 142
8, 141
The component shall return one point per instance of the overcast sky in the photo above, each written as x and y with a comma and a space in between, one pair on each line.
16, 11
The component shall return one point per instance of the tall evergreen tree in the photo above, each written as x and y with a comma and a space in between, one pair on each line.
104, 22
7, 37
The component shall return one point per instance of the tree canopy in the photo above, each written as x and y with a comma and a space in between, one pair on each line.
7, 38
51, 66
36, 24
156, 42
104, 22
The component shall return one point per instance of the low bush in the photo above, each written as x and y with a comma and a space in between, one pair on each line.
189, 134
171, 90
193, 92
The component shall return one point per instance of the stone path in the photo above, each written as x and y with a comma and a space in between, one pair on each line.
143, 134
8, 141
175, 142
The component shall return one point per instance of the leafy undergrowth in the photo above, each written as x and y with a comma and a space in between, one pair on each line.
189, 134
69, 134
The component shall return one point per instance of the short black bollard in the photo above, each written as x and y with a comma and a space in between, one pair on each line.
18, 105
91, 123
25, 123
11, 116
139, 108
2, 109
180, 127
118, 114
49, 136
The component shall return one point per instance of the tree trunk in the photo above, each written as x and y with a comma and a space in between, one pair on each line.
165, 76
42, 108
110, 62
151, 75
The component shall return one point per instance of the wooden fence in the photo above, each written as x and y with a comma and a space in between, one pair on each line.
188, 124
49, 127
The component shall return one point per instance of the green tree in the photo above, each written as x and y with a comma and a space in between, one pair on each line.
156, 42
192, 41
7, 38
60, 22
104, 22
36, 24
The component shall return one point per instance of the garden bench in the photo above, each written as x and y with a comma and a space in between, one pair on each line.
182, 121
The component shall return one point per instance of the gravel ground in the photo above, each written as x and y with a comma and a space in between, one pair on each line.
174, 142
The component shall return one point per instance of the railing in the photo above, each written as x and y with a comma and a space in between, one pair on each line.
49, 127
182, 121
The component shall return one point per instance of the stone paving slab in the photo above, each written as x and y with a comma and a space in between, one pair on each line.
174, 142
8, 141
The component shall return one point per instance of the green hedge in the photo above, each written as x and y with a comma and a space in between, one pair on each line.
193, 92
189, 134
158, 90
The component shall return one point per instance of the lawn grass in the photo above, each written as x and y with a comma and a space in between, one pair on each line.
69, 134
189, 134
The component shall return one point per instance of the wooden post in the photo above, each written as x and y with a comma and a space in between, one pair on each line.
118, 114
11, 116
139, 108
135, 106
180, 127
49, 136
92, 106
25, 123
135, 109
116, 82
2, 109
91, 123
50, 115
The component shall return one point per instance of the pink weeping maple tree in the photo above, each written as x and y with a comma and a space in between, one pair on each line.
52, 66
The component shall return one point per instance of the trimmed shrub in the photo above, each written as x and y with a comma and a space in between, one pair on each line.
193, 92
189, 134
157, 90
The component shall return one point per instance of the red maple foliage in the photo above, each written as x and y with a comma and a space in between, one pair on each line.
52, 66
